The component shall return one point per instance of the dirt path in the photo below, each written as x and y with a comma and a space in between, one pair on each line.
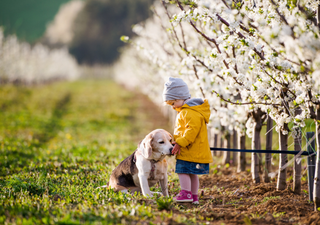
233, 198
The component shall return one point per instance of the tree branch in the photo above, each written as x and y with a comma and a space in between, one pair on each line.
196, 73
243, 103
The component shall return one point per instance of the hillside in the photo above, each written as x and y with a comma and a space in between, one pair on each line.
28, 18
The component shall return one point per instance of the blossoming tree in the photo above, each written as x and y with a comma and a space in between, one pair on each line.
256, 58
19, 62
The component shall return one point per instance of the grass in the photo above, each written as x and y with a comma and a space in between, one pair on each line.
27, 18
58, 143
270, 198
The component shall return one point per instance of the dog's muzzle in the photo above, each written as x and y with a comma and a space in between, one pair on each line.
171, 150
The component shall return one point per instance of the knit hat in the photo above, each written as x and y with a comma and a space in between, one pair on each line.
175, 88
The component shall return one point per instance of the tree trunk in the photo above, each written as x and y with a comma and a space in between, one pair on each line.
297, 161
219, 143
283, 143
256, 144
316, 186
318, 16
226, 154
215, 143
210, 138
235, 146
268, 147
241, 155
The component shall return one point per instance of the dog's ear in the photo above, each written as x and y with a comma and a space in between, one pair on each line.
146, 148
170, 135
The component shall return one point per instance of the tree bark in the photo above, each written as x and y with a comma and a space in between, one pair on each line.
268, 147
211, 139
241, 155
235, 146
318, 16
215, 143
283, 143
219, 143
226, 154
316, 186
297, 161
256, 144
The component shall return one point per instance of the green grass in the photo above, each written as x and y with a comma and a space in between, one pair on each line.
27, 18
58, 143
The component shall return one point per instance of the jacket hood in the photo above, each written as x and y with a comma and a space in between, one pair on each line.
198, 104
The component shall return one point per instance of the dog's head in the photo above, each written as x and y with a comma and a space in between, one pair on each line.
156, 144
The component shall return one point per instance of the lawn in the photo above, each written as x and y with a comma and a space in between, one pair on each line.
59, 142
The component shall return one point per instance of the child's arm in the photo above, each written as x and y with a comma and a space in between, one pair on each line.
193, 125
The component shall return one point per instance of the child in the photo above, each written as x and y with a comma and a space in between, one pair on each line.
191, 139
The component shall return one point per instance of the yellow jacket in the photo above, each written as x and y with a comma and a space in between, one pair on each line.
191, 131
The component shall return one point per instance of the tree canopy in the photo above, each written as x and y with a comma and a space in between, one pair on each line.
99, 26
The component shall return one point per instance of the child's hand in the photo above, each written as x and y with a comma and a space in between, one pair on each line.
176, 149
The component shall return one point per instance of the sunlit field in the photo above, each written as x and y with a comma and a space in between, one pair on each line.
59, 142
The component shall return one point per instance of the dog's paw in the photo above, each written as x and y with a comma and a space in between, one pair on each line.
124, 191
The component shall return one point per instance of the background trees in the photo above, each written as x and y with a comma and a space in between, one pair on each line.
22, 63
92, 37
258, 59
100, 24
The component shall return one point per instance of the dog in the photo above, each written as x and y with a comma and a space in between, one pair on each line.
145, 166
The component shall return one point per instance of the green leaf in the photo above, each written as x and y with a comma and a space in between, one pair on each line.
247, 220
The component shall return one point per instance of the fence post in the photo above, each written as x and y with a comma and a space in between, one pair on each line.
311, 164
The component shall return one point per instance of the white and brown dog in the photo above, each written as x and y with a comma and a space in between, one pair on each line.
146, 166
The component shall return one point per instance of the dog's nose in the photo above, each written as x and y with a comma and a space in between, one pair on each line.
170, 149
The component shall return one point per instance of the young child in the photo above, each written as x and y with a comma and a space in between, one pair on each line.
191, 139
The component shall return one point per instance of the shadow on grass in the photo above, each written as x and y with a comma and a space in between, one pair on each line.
12, 161
14, 155
17, 96
52, 127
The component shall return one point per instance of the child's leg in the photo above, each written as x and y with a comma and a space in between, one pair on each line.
194, 183
185, 194
194, 188
185, 181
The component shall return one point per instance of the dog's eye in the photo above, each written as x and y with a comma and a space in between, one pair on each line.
161, 142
